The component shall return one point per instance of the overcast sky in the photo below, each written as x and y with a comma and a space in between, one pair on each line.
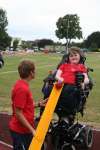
36, 19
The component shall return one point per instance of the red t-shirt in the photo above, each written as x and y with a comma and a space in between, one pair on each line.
69, 71
22, 98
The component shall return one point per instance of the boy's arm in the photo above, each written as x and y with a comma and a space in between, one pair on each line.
41, 102
23, 120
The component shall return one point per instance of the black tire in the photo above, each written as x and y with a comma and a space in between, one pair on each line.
67, 147
88, 137
44, 146
57, 143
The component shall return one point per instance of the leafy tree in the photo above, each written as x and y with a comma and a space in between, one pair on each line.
3, 20
15, 44
24, 44
93, 40
93, 47
5, 39
68, 28
43, 42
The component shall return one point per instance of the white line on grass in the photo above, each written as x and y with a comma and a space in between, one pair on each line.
7, 72
13, 71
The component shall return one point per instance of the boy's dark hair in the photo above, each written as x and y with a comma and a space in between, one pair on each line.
25, 67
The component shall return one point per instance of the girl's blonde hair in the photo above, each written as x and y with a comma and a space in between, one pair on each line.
74, 50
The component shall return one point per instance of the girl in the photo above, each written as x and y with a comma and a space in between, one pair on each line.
66, 73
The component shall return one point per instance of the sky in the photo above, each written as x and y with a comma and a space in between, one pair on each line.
36, 19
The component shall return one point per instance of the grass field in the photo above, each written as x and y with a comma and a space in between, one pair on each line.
44, 63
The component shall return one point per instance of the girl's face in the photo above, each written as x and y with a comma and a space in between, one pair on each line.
74, 58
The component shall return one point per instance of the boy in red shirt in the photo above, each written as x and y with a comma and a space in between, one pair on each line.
66, 73
22, 121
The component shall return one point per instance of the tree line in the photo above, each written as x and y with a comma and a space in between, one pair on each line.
67, 27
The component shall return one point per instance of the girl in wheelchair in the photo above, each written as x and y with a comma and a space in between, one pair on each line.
74, 74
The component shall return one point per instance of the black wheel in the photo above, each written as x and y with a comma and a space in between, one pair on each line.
68, 147
87, 137
57, 143
44, 146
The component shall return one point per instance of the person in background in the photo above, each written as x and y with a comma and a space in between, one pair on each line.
1, 60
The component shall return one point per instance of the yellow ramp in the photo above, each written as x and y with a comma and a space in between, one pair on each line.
44, 122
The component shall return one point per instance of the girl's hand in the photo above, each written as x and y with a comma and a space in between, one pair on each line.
33, 132
83, 85
59, 84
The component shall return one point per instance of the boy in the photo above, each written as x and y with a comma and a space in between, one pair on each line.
22, 121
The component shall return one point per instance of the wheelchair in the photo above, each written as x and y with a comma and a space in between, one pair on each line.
65, 133
70, 137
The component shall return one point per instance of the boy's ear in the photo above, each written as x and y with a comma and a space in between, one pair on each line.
32, 74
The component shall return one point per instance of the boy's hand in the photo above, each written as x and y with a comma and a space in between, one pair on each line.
42, 102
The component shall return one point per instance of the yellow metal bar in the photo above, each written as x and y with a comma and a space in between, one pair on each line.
46, 117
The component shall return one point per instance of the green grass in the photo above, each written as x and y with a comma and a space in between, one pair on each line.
44, 63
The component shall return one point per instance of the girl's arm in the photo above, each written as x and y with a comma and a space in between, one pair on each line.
58, 75
86, 79
23, 120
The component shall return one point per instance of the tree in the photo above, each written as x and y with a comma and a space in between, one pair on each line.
5, 39
15, 44
3, 20
43, 42
68, 28
93, 41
